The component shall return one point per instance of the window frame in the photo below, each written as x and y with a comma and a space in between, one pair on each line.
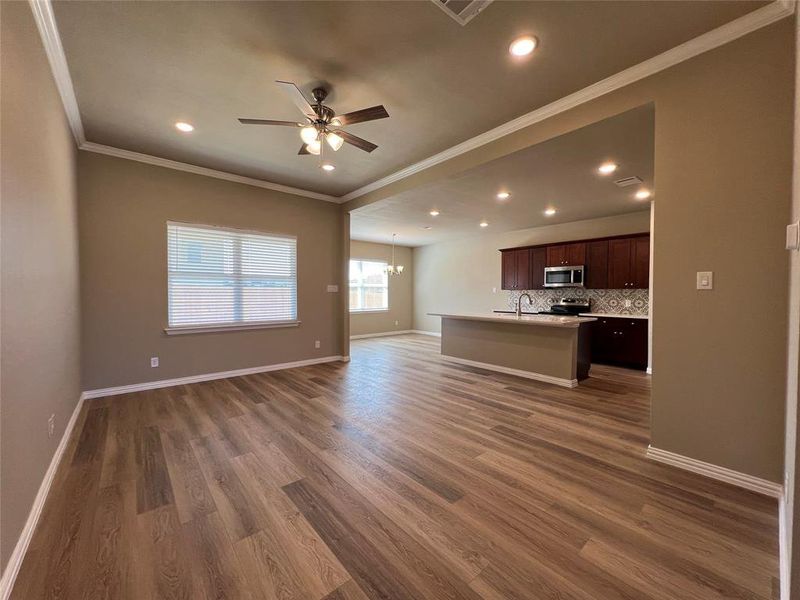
360, 311
235, 325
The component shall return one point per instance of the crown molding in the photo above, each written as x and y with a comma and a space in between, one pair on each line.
189, 168
51, 40
766, 15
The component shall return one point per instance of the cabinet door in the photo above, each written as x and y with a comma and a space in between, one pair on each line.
576, 254
619, 264
508, 270
596, 275
538, 260
603, 340
523, 269
640, 268
635, 343
557, 255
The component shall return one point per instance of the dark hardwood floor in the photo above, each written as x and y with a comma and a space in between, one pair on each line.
394, 476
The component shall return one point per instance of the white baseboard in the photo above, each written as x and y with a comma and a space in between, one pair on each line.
431, 333
748, 482
569, 383
15, 561
152, 385
649, 370
362, 336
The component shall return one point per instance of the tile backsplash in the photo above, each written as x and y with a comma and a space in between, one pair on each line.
603, 301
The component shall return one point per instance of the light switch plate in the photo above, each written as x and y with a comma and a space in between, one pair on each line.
793, 236
705, 280
333, 288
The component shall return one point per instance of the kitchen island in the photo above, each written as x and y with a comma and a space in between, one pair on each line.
548, 348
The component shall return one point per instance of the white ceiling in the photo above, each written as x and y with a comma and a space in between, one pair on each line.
137, 67
561, 172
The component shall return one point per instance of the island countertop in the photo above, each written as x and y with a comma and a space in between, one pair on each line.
541, 320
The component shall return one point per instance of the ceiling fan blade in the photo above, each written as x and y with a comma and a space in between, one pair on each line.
270, 122
303, 150
365, 114
296, 96
356, 141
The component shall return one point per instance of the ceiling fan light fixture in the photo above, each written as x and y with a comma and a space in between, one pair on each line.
334, 141
314, 147
308, 134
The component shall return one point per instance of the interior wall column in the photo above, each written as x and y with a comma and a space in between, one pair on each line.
344, 285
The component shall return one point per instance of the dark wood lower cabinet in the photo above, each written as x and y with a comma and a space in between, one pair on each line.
620, 341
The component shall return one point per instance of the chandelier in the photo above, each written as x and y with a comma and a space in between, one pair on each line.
393, 269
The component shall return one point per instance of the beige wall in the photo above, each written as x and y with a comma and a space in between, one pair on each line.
40, 366
400, 314
723, 149
464, 275
124, 207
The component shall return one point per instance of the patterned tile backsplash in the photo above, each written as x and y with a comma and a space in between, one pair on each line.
603, 301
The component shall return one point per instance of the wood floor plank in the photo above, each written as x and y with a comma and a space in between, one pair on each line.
397, 475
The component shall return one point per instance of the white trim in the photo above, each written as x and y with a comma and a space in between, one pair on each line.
366, 311
649, 370
431, 333
362, 336
569, 383
728, 32
162, 383
17, 556
189, 329
186, 167
784, 550
743, 480
51, 40
766, 15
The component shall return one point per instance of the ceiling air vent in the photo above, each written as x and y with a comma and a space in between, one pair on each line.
462, 11
626, 181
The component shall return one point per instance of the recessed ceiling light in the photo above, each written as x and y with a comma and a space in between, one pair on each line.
643, 194
328, 167
428, 227
550, 212
484, 224
523, 46
503, 196
184, 127
434, 213
607, 168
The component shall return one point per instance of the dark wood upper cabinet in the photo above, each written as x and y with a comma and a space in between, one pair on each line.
566, 254
557, 255
641, 262
596, 277
629, 263
509, 270
516, 270
523, 269
538, 259
619, 264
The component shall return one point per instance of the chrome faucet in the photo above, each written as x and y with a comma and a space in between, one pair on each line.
519, 302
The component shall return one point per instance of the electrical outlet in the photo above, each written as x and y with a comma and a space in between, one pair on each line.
705, 280
316, 344
153, 361
51, 425
396, 323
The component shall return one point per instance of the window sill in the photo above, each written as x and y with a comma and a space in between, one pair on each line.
369, 310
187, 329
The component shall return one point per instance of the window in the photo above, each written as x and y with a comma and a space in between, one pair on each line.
225, 277
369, 285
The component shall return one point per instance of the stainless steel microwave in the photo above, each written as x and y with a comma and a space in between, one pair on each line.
561, 277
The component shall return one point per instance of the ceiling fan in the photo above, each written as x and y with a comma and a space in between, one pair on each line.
322, 123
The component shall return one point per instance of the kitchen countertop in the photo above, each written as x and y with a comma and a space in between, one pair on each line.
525, 319
615, 316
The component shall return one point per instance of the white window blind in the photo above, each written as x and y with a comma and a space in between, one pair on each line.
223, 277
369, 285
